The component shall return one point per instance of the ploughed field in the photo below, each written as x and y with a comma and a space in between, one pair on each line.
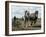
20, 25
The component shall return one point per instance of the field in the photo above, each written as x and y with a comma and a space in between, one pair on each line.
20, 25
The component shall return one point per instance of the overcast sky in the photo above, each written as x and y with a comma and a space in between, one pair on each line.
18, 11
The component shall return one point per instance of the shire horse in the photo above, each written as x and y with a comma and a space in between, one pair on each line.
31, 17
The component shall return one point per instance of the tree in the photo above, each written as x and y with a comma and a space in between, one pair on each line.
14, 20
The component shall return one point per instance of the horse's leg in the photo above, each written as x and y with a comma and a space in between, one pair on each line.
25, 22
31, 23
35, 21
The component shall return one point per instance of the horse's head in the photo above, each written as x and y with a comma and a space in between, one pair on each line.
26, 11
36, 13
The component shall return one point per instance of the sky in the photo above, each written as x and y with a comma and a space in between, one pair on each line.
18, 11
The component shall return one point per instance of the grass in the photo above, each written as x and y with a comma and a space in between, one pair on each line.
19, 25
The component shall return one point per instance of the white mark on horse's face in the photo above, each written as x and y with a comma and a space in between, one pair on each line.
36, 15
31, 12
